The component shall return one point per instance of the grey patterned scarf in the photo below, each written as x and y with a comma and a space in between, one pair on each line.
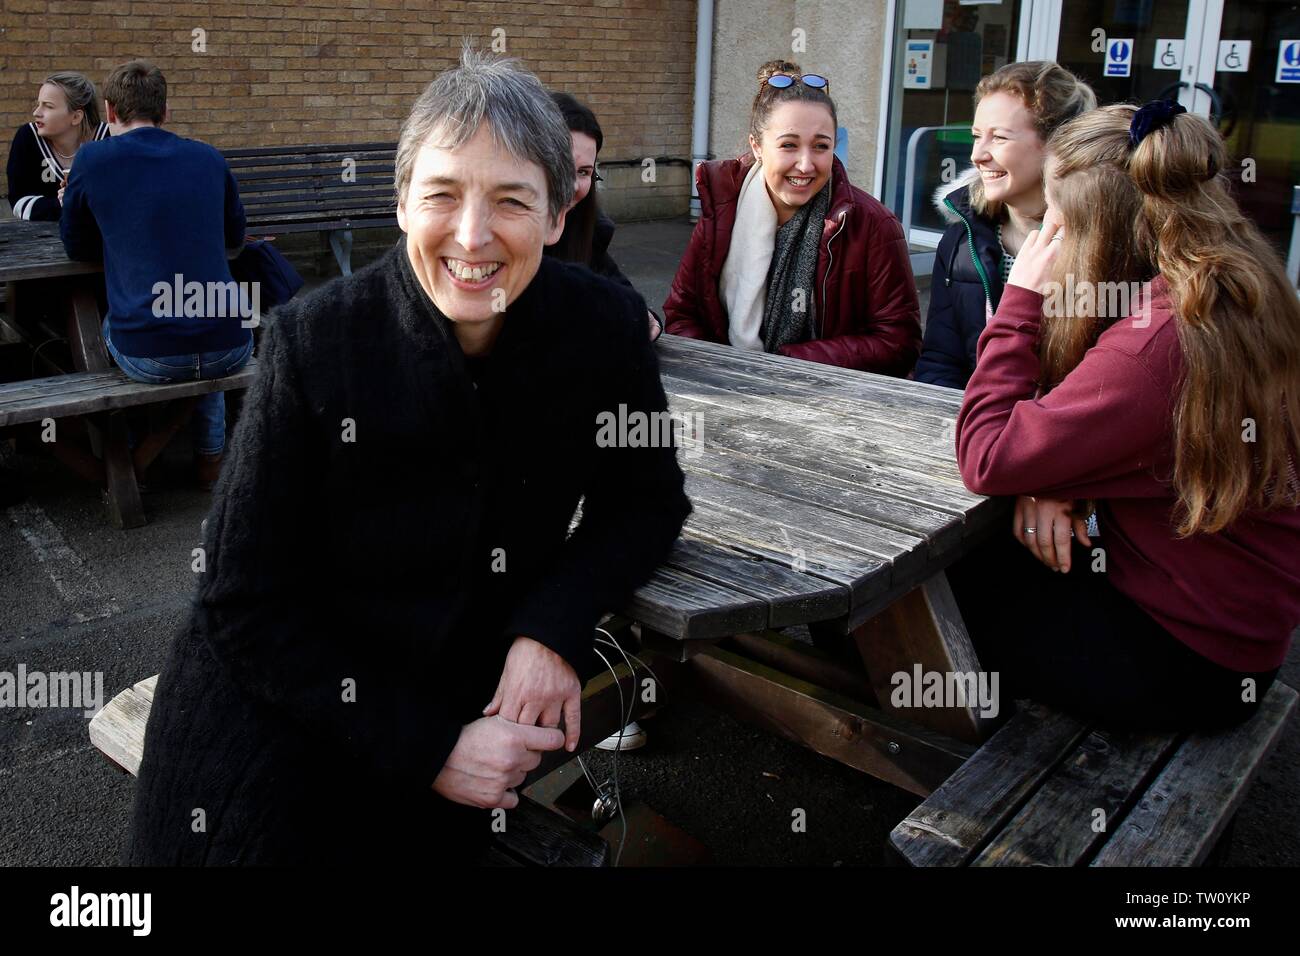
792, 275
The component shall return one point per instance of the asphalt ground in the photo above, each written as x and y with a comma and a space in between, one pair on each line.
77, 594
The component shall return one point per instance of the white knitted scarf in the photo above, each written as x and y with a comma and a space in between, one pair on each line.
744, 275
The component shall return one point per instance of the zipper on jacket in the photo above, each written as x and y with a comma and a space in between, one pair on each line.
830, 261
970, 242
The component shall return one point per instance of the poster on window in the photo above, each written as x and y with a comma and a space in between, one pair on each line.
918, 62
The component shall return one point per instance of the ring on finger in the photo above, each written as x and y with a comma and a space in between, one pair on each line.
1031, 531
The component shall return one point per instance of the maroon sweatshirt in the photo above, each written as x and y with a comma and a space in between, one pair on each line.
1106, 433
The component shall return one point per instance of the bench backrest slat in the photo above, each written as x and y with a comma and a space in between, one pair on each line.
293, 187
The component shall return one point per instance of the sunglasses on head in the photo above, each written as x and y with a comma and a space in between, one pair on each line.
783, 80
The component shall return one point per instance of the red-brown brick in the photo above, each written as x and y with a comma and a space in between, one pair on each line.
280, 72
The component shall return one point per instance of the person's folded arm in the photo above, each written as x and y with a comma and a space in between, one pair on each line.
27, 196
263, 607
77, 226
633, 510
35, 208
1086, 438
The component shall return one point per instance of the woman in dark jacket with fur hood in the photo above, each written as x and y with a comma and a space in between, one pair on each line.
992, 208
789, 256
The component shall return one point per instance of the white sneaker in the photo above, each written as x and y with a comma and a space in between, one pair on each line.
632, 737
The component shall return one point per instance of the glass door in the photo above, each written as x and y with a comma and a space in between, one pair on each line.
1131, 50
1237, 63
941, 49
1255, 78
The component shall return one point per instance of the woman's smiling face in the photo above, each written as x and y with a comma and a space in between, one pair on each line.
475, 219
796, 152
1008, 151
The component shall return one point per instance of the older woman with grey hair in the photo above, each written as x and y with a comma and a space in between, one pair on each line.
394, 623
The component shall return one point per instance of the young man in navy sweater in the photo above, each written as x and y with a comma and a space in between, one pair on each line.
161, 211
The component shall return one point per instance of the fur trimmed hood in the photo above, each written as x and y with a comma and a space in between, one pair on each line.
970, 202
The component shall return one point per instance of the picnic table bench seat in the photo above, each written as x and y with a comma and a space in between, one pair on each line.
94, 389
1050, 790
84, 393
331, 187
533, 835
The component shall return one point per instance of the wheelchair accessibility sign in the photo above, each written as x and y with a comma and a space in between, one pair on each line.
1234, 56
1119, 57
1169, 55
1288, 62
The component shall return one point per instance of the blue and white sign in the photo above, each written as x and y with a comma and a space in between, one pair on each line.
1234, 56
1119, 57
918, 58
1288, 62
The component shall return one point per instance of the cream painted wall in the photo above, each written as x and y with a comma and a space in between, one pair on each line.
845, 40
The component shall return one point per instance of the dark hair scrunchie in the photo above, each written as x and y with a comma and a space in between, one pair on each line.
1151, 117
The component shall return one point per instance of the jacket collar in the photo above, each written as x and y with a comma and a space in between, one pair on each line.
47, 152
424, 324
421, 321
721, 182
958, 193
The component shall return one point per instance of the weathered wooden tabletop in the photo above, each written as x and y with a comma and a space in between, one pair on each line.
820, 494
33, 250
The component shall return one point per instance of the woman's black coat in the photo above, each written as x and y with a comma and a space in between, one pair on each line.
958, 292
385, 524
602, 263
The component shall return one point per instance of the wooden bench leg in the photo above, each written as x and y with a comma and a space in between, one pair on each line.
85, 333
107, 432
178, 413
125, 509
924, 629
9, 321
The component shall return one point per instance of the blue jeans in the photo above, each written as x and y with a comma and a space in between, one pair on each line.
210, 412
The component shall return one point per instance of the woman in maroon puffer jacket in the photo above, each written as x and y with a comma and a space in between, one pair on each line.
788, 255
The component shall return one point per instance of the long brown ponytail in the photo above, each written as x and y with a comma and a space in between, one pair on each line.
1163, 206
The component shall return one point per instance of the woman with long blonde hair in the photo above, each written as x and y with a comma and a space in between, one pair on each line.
66, 117
1145, 358
992, 207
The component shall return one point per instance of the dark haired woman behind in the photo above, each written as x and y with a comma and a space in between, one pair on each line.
588, 231
788, 256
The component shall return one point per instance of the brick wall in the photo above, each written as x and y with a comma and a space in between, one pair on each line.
280, 72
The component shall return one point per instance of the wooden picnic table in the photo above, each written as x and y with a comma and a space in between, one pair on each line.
34, 250
822, 497
831, 498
